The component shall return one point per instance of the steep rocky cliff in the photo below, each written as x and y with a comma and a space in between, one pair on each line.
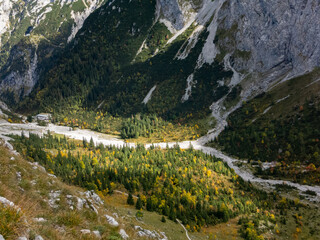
258, 35
280, 39
261, 42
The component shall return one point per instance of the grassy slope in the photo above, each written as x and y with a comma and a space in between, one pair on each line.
299, 90
32, 200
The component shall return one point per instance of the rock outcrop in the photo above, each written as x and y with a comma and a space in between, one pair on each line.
112, 221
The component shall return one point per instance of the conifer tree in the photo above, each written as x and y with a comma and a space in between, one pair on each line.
149, 204
84, 142
172, 214
139, 203
130, 200
91, 143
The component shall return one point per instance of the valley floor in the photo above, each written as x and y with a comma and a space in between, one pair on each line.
55, 210
109, 140
297, 220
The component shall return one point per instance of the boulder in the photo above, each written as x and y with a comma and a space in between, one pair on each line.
39, 220
112, 221
85, 231
123, 234
97, 234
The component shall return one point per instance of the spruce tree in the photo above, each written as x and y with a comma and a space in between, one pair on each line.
91, 143
139, 203
84, 142
130, 200
172, 214
149, 204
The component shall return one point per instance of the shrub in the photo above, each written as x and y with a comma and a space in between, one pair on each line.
310, 192
29, 118
69, 219
42, 123
10, 220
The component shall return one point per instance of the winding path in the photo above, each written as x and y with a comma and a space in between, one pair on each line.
184, 229
108, 140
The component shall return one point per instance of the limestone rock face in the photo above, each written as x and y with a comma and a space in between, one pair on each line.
172, 12
274, 38
263, 42
20, 73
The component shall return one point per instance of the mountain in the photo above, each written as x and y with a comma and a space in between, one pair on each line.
185, 54
180, 60
213, 107
187, 60
31, 34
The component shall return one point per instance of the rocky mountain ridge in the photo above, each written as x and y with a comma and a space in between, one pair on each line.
261, 43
